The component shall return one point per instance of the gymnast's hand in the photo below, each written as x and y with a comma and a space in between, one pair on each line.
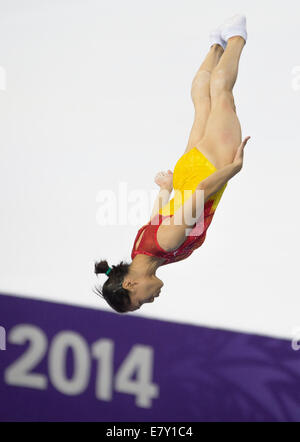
239, 156
164, 180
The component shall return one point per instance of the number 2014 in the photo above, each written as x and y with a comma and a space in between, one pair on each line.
139, 360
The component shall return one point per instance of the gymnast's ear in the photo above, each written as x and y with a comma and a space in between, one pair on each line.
128, 283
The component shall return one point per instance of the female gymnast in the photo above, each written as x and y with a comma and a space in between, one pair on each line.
214, 154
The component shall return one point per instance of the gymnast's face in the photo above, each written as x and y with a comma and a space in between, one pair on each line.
143, 290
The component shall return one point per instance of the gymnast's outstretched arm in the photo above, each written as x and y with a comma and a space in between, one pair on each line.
173, 234
193, 208
216, 181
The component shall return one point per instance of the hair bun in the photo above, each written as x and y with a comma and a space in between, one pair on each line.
101, 267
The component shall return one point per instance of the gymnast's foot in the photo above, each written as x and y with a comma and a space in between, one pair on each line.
215, 38
234, 26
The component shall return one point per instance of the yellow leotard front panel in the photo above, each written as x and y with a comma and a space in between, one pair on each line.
192, 168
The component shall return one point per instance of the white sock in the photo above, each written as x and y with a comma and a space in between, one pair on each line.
236, 25
215, 38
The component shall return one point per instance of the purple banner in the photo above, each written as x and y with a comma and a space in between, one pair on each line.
67, 363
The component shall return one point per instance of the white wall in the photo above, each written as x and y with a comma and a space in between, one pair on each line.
97, 93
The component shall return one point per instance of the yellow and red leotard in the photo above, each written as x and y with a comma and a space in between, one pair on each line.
192, 168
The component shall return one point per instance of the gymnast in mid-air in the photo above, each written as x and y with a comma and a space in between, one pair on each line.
214, 154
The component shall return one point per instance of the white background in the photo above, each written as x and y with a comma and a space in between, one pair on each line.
98, 93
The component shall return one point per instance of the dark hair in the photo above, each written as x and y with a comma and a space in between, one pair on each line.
112, 291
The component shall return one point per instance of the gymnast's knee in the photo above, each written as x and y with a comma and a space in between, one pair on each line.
224, 100
219, 83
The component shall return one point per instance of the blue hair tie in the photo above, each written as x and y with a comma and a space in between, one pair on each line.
108, 271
